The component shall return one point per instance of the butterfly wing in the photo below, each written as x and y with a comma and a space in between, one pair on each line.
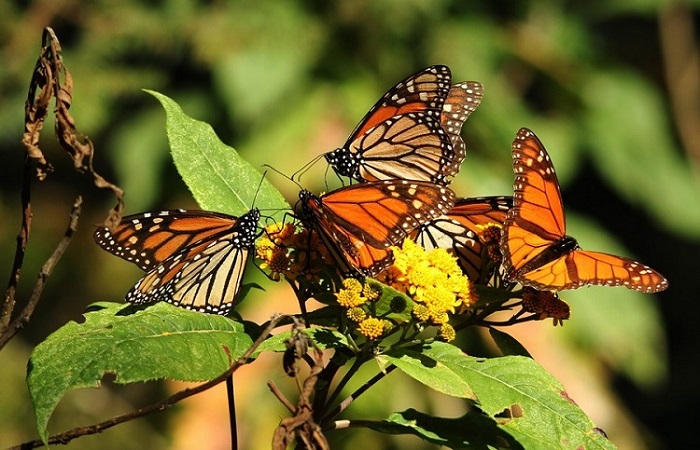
359, 223
536, 220
581, 267
461, 101
536, 250
149, 239
409, 147
461, 229
195, 259
424, 91
401, 137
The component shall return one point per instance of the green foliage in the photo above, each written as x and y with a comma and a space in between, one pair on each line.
472, 431
219, 179
538, 412
133, 345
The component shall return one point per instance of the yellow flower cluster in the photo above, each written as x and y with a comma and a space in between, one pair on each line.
432, 278
372, 327
351, 294
355, 294
290, 253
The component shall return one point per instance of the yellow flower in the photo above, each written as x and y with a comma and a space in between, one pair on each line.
356, 314
371, 292
447, 332
434, 280
371, 327
421, 313
351, 295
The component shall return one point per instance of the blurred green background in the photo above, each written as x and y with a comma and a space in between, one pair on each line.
611, 88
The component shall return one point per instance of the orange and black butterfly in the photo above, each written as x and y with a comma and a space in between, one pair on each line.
194, 259
461, 231
412, 132
359, 223
536, 250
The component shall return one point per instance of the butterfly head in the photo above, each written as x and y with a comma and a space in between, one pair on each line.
248, 226
345, 163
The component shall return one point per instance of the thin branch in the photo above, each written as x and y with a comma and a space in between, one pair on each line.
361, 390
68, 436
232, 413
281, 397
46, 270
22, 239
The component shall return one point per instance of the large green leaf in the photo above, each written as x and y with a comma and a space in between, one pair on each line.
527, 402
429, 371
133, 345
220, 180
471, 431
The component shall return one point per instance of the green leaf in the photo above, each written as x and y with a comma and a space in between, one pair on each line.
323, 337
429, 371
508, 344
388, 296
474, 430
527, 402
220, 180
134, 345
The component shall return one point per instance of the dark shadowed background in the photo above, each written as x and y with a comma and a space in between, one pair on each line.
611, 88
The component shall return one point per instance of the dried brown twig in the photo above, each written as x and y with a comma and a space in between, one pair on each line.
46, 84
301, 425
48, 73
45, 272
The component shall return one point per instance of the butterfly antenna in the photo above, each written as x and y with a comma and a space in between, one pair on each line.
306, 167
284, 175
257, 191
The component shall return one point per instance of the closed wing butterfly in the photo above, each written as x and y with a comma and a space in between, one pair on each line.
194, 259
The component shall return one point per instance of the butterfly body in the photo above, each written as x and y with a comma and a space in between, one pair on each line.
359, 223
193, 259
536, 250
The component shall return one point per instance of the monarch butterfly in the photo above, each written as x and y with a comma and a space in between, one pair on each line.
402, 136
536, 250
359, 223
194, 259
461, 230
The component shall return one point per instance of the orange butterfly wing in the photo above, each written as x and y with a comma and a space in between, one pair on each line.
423, 91
402, 137
536, 250
194, 259
461, 230
149, 239
359, 223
